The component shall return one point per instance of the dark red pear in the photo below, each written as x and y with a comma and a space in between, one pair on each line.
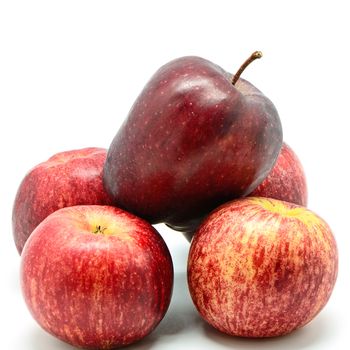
195, 137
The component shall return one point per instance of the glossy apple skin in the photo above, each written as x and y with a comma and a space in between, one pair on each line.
261, 267
96, 290
286, 181
191, 141
66, 179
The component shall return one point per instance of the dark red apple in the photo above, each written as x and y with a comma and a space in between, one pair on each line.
195, 138
261, 267
286, 181
66, 179
96, 277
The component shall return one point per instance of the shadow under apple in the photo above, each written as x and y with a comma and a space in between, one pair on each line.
38, 339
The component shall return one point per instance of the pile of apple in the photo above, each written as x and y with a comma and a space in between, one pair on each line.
201, 151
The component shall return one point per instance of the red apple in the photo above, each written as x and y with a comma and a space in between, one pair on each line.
261, 267
195, 138
96, 276
66, 179
286, 181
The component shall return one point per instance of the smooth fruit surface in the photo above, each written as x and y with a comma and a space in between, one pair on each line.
286, 181
96, 277
192, 141
66, 179
261, 267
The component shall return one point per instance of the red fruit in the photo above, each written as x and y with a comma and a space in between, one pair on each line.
286, 181
96, 277
66, 179
195, 138
261, 267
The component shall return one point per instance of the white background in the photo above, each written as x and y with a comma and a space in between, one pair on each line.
70, 70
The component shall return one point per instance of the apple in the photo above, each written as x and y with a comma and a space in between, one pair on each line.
194, 138
66, 179
96, 277
286, 181
261, 267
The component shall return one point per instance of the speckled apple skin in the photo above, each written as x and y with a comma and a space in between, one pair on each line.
256, 271
286, 181
191, 141
96, 291
66, 179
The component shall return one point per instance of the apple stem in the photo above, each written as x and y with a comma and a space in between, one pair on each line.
100, 229
248, 61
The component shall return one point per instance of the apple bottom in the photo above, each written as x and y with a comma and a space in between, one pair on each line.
96, 276
261, 267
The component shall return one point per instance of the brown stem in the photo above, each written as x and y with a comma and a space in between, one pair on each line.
100, 229
253, 57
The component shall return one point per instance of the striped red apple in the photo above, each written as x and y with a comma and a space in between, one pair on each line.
286, 181
65, 179
96, 277
261, 267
